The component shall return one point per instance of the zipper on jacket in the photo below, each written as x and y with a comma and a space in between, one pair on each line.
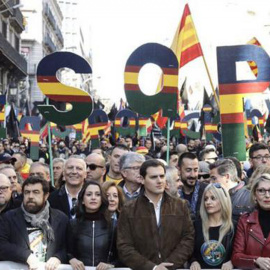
256, 238
93, 243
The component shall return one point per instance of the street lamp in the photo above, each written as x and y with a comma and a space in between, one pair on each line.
13, 90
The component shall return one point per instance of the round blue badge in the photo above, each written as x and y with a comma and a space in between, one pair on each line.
213, 253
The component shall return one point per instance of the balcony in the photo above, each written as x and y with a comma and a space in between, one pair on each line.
59, 35
50, 16
17, 20
11, 59
49, 43
7, 6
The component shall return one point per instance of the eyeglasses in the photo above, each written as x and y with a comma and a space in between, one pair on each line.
262, 191
218, 185
135, 168
4, 188
261, 158
93, 167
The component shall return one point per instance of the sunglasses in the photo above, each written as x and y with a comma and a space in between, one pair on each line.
93, 167
204, 176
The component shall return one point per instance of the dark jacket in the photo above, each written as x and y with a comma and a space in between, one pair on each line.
14, 241
195, 203
58, 199
142, 244
12, 204
241, 203
90, 241
249, 243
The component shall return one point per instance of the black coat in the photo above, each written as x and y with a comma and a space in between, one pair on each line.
14, 241
91, 241
58, 199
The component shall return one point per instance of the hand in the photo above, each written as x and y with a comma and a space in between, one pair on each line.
163, 266
263, 263
195, 266
104, 266
227, 266
52, 263
76, 264
33, 262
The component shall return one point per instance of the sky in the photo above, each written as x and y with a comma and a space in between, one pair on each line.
118, 27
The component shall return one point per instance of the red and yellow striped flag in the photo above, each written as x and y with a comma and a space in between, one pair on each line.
252, 64
186, 45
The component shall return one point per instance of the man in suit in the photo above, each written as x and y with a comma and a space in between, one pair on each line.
65, 198
34, 233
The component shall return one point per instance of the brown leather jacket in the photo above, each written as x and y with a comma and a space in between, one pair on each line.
142, 244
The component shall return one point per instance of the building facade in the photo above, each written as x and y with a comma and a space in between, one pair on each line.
42, 36
13, 66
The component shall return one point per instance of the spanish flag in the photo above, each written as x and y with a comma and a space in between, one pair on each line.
186, 45
252, 64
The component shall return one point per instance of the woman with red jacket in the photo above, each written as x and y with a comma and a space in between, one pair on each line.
252, 241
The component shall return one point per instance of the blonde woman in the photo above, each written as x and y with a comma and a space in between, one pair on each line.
214, 232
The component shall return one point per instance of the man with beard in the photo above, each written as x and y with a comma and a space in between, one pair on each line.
192, 189
34, 233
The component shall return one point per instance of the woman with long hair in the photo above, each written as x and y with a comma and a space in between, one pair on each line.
115, 197
252, 240
91, 235
214, 232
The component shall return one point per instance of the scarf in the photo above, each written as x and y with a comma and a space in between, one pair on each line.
41, 220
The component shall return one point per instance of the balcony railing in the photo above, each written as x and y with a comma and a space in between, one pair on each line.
49, 43
59, 35
12, 56
7, 6
50, 17
17, 20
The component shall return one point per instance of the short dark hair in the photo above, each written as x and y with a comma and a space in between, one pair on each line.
120, 146
150, 163
237, 165
171, 153
32, 180
188, 155
257, 146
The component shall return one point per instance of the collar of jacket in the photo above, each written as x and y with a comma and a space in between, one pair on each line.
253, 217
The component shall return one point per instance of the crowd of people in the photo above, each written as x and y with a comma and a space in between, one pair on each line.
125, 205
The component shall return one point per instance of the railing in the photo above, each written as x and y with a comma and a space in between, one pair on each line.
50, 17
49, 43
17, 19
13, 56
18, 266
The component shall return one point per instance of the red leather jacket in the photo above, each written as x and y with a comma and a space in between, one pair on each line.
249, 242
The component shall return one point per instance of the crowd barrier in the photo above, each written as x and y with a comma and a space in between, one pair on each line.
6, 265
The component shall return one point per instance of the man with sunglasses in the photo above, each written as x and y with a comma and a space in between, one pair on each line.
224, 172
95, 167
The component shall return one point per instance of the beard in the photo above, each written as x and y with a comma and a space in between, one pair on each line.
32, 207
187, 184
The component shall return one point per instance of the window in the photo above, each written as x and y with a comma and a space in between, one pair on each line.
4, 29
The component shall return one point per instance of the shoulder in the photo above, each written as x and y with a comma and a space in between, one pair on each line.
12, 213
55, 213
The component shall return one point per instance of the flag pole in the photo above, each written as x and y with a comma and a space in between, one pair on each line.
50, 147
168, 140
212, 86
